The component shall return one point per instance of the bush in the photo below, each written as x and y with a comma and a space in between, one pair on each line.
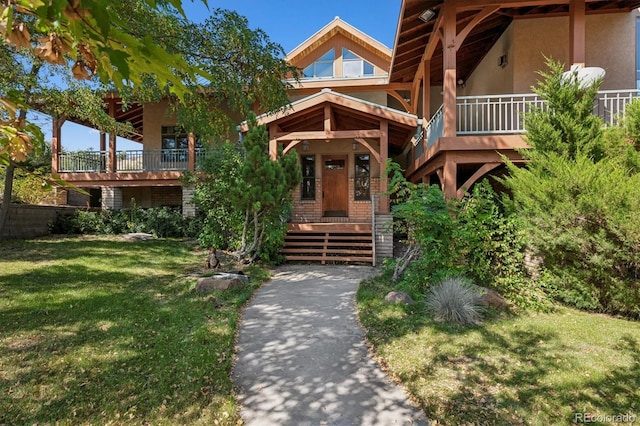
454, 301
163, 222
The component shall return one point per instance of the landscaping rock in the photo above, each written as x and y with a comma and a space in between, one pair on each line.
219, 282
138, 236
398, 297
488, 297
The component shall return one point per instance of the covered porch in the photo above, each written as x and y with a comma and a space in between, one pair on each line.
343, 144
464, 56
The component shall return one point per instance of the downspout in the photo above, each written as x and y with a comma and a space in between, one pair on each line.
374, 234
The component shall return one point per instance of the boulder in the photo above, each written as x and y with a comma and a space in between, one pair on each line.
488, 297
138, 236
224, 281
398, 297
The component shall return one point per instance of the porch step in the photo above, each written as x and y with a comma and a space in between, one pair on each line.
329, 242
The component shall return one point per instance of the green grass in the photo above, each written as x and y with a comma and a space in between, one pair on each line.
526, 368
106, 331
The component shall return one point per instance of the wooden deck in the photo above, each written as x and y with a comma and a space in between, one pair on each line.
329, 242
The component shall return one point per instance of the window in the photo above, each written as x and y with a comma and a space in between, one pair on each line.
175, 144
322, 68
308, 177
354, 66
362, 175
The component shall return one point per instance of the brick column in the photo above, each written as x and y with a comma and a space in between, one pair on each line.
188, 207
111, 198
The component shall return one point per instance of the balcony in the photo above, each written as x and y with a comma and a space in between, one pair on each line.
504, 115
147, 160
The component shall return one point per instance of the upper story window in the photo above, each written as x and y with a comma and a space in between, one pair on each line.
322, 68
176, 138
354, 66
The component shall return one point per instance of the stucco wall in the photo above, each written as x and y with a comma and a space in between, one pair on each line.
155, 116
489, 78
610, 44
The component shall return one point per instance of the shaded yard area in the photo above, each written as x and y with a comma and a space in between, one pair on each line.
529, 368
106, 331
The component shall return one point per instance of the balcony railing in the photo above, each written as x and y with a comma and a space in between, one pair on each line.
128, 161
504, 114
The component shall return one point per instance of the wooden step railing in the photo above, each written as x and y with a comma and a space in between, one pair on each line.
329, 242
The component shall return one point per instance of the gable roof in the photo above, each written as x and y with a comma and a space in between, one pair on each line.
333, 28
348, 114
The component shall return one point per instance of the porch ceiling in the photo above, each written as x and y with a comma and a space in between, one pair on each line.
413, 34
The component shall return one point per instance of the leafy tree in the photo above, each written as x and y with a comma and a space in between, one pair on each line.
248, 195
146, 50
579, 197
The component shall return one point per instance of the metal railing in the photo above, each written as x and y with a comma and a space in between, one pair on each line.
431, 133
129, 160
504, 114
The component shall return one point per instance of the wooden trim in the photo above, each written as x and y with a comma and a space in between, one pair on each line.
321, 135
449, 67
121, 179
484, 13
191, 162
406, 105
373, 152
384, 152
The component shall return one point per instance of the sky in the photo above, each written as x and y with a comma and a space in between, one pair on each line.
286, 22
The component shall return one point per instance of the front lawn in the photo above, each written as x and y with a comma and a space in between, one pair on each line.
529, 368
100, 330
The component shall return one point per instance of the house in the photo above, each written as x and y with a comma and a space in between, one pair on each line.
446, 103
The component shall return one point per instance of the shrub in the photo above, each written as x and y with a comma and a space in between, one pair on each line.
454, 301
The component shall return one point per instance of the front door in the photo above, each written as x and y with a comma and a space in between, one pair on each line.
334, 185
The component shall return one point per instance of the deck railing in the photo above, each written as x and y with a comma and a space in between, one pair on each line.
128, 161
504, 114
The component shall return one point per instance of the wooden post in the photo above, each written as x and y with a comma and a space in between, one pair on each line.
191, 163
577, 32
449, 177
449, 67
426, 100
103, 150
384, 154
273, 143
56, 144
112, 140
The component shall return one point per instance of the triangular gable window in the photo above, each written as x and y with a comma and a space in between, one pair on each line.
354, 66
322, 68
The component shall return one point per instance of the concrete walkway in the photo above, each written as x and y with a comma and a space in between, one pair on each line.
302, 359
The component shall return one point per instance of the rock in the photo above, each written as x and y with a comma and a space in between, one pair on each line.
488, 297
138, 236
398, 297
218, 282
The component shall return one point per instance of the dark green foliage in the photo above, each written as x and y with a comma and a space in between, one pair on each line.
475, 237
579, 198
163, 222
247, 196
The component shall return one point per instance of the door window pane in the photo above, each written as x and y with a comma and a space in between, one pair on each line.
362, 177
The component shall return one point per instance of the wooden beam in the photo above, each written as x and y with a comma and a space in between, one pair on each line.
462, 35
466, 5
426, 93
112, 140
373, 152
290, 146
486, 168
406, 105
322, 135
328, 118
577, 32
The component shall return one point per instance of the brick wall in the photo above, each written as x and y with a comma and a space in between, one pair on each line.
30, 221
311, 210
166, 196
